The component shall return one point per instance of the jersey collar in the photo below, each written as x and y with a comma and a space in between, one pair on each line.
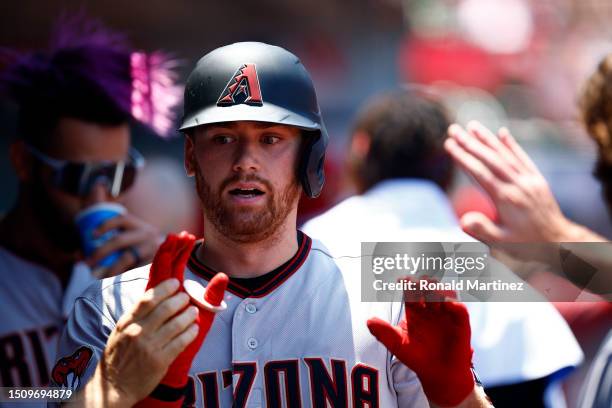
279, 275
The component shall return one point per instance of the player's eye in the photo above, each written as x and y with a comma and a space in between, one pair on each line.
270, 139
222, 139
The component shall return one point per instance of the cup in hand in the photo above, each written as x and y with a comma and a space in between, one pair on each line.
89, 220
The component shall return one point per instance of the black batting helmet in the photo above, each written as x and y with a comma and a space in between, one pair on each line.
259, 82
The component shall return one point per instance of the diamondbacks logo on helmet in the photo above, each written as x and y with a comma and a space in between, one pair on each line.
243, 87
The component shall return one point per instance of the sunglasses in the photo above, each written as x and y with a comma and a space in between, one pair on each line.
79, 178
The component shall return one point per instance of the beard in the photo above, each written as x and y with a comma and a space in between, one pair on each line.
246, 225
56, 224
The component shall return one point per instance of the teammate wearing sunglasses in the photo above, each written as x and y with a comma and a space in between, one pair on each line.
72, 151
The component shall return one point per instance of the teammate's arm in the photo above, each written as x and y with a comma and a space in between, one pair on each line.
528, 212
527, 209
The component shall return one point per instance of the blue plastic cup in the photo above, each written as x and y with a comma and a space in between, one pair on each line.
89, 220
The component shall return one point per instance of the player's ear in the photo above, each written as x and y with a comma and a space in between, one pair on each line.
188, 156
360, 145
359, 149
21, 160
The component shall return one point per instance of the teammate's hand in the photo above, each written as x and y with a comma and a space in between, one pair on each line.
137, 239
434, 342
528, 211
170, 262
145, 340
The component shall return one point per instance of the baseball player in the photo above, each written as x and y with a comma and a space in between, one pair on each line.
291, 330
73, 144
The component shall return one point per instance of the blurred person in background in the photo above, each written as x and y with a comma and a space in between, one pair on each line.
402, 173
76, 102
528, 212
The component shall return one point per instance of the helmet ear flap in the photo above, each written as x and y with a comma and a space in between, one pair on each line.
311, 169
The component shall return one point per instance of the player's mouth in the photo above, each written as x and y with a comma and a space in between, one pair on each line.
246, 192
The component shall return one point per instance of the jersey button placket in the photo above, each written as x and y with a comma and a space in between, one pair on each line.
251, 308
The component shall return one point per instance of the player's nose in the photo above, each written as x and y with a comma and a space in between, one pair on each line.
246, 159
98, 193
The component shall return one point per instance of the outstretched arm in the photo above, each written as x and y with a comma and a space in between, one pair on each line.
528, 212
527, 209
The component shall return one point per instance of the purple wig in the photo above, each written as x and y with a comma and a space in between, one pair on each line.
89, 73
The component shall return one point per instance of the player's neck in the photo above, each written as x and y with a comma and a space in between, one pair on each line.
248, 260
20, 234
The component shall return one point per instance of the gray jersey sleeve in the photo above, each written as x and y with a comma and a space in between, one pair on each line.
83, 340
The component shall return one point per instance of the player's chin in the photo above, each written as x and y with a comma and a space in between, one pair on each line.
249, 226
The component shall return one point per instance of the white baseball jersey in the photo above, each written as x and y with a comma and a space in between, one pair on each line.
34, 309
299, 340
512, 341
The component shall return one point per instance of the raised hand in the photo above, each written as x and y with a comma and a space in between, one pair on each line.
146, 339
434, 342
169, 262
528, 211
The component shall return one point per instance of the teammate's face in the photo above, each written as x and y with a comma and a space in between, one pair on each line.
77, 141
245, 176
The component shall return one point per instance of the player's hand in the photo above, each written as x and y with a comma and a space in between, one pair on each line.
434, 342
527, 209
170, 262
146, 339
137, 239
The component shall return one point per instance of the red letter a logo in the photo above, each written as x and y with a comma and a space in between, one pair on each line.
242, 88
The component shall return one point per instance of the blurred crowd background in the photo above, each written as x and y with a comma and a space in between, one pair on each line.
518, 63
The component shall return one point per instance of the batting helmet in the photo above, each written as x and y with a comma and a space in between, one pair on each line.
259, 82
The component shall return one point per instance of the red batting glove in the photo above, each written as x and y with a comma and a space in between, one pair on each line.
170, 262
434, 342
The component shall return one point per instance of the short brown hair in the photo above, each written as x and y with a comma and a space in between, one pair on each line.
407, 130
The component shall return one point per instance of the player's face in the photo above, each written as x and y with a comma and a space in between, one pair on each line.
246, 176
77, 141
